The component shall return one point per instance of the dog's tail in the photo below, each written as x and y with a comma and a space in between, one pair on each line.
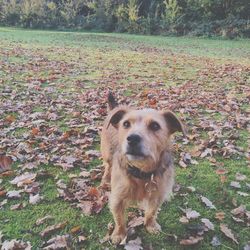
112, 103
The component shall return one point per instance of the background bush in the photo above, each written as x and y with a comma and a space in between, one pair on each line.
227, 18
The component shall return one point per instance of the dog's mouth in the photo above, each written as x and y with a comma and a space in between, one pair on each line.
135, 153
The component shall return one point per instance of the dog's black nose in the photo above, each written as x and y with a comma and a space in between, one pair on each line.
133, 139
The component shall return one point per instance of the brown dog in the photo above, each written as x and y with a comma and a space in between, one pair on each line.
135, 146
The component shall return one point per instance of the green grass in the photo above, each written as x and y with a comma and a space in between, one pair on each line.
75, 62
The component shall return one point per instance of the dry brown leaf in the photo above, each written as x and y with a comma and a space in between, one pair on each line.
86, 207
5, 163
182, 164
136, 221
240, 177
93, 192
34, 131
239, 210
208, 224
242, 194
227, 231
223, 179
221, 171
191, 241
192, 214
75, 229
23, 179
34, 199
16, 206
14, 194
2, 193
215, 241
58, 242
42, 220
235, 184
10, 118
51, 229
16, 245
134, 244
82, 238
7, 173
184, 220
220, 216
207, 202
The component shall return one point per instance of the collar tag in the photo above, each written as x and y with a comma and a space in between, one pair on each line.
151, 186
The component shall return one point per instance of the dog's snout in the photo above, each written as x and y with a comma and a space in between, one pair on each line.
133, 139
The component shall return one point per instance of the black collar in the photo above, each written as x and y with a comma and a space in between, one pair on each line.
137, 173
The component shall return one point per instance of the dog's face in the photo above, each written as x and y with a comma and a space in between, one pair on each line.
144, 135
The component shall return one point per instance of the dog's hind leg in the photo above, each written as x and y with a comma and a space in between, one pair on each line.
105, 183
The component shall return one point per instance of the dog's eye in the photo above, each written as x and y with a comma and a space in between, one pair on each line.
154, 126
126, 124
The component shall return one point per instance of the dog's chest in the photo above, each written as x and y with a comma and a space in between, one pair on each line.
142, 189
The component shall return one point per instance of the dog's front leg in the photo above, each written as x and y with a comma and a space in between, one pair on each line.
118, 206
150, 217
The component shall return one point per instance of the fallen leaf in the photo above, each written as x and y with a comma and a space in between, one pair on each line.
136, 221
184, 220
81, 238
86, 207
207, 202
44, 219
182, 164
7, 173
5, 163
34, 199
239, 210
242, 194
208, 224
247, 247
51, 229
191, 189
221, 171
237, 219
16, 206
14, 194
191, 241
134, 244
215, 241
10, 118
223, 179
224, 229
34, 131
240, 177
23, 179
58, 242
16, 245
235, 184
192, 214
75, 229
2, 193
220, 216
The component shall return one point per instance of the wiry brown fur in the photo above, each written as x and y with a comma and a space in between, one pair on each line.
125, 188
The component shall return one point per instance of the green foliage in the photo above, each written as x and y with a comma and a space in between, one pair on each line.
172, 10
178, 17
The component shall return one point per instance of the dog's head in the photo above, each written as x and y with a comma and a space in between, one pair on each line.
144, 134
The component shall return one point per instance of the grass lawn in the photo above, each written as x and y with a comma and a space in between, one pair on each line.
52, 93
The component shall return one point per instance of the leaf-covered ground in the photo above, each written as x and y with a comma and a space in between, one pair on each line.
53, 88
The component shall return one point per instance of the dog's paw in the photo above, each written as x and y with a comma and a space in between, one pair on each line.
153, 228
117, 238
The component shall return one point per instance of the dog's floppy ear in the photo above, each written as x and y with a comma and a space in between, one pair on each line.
173, 123
116, 117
